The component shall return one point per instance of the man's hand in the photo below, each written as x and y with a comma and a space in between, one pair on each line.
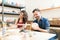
36, 27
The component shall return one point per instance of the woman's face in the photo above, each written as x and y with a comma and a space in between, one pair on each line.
21, 15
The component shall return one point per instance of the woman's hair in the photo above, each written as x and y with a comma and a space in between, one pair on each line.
25, 16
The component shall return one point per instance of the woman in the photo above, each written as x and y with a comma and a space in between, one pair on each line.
22, 19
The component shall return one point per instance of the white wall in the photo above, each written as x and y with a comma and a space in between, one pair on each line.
43, 4
29, 9
54, 13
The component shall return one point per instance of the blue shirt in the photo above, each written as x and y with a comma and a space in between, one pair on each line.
43, 23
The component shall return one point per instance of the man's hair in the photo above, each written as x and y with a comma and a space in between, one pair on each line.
36, 10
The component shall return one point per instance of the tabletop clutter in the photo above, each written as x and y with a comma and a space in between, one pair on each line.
25, 33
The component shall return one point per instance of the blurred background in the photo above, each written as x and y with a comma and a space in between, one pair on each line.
50, 9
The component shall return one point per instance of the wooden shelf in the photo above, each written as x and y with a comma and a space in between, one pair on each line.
50, 8
7, 5
9, 13
7, 22
55, 25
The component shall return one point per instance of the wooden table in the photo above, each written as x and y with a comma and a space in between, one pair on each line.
55, 28
27, 35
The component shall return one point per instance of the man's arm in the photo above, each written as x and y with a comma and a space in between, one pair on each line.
36, 27
42, 30
47, 25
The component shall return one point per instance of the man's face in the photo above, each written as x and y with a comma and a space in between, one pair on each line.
36, 14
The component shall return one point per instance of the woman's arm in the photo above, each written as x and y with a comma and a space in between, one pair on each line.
16, 22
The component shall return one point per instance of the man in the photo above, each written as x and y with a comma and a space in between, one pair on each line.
41, 21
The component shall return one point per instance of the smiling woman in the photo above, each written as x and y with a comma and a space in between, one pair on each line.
22, 19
